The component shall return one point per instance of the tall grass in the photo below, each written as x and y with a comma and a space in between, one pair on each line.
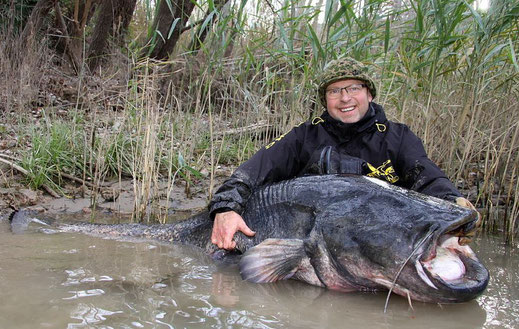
443, 68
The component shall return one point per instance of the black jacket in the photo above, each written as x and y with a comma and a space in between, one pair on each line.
385, 149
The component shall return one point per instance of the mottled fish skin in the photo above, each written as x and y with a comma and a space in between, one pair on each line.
342, 232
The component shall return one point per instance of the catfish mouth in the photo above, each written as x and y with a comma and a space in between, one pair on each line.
451, 270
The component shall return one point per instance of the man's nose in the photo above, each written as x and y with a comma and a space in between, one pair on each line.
344, 95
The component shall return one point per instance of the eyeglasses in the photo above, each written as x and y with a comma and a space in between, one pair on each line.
350, 91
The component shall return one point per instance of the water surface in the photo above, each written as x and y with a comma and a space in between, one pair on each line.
69, 280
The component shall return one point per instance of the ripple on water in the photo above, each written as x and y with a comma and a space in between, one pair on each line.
501, 299
84, 293
89, 315
121, 284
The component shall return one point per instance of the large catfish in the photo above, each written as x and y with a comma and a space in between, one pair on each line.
347, 233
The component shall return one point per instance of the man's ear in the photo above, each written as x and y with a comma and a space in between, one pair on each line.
370, 98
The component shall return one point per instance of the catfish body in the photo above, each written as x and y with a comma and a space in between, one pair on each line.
347, 233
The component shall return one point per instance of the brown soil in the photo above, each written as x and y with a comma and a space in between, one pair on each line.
113, 202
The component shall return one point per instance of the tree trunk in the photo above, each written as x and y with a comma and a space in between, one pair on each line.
71, 25
103, 28
66, 40
112, 21
126, 17
162, 42
35, 21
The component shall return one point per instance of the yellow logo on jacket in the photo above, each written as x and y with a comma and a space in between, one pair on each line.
384, 171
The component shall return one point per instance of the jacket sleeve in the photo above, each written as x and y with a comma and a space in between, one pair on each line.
419, 172
274, 162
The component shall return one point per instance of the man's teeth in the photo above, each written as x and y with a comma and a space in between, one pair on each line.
348, 109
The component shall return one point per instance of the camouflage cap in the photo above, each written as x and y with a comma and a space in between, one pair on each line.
341, 69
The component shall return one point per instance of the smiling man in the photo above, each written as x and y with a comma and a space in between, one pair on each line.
347, 100
352, 136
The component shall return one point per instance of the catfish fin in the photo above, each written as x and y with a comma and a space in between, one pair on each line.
272, 260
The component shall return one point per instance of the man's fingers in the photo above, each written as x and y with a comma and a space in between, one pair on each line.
217, 242
225, 225
229, 245
463, 241
217, 237
227, 240
461, 201
246, 230
470, 230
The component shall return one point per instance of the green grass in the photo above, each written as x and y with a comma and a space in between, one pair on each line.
55, 149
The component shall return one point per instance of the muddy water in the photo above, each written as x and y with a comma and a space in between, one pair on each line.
76, 281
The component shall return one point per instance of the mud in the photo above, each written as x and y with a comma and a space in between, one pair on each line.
116, 199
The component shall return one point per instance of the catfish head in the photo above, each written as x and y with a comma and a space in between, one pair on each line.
379, 237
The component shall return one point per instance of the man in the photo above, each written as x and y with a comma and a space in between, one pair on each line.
352, 136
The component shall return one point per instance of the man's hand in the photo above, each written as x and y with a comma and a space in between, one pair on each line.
225, 225
468, 236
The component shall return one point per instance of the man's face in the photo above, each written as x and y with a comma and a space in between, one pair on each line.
344, 107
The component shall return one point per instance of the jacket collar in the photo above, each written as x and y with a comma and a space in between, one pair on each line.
375, 114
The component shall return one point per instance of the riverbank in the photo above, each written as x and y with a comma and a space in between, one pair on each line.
115, 201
